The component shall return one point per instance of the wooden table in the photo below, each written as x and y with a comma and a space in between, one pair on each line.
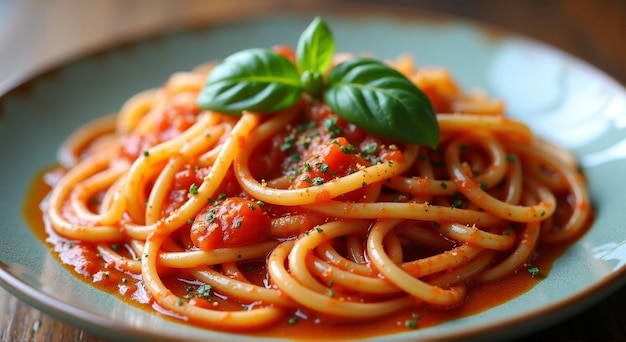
594, 30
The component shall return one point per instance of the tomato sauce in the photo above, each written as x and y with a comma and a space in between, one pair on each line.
82, 260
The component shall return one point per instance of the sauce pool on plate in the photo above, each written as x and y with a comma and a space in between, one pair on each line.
81, 261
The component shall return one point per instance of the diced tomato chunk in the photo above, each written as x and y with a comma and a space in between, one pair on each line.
233, 222
335, 158
184, 179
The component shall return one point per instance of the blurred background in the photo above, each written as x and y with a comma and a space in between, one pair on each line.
38, 35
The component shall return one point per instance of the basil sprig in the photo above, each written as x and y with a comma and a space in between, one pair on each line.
362, 91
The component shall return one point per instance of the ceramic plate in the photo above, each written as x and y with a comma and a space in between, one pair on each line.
562, 98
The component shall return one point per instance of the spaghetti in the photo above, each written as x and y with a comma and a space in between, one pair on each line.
300, 212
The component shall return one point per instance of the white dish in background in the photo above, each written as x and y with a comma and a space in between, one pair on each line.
560, 97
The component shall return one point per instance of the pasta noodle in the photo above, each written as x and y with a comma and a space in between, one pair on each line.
302, 213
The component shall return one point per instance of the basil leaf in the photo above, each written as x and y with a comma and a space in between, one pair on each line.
316, 47
258, 80
382, 101
312, 82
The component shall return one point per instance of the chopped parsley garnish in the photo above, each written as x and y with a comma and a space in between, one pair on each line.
203, 291
306, 125
317, 181
322, 167
331, 126
411, 324
210, 216
193, 189
307, 167
347, 149
288, 143
369, 149
533, 270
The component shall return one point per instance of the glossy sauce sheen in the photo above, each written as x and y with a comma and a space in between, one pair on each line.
81, 260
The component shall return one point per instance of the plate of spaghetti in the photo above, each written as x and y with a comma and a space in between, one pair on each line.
283, 179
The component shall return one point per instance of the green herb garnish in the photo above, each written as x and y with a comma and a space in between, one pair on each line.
362, 91
411, 324
203, 291
533, 270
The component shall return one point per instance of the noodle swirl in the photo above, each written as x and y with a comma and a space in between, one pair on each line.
266, 212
